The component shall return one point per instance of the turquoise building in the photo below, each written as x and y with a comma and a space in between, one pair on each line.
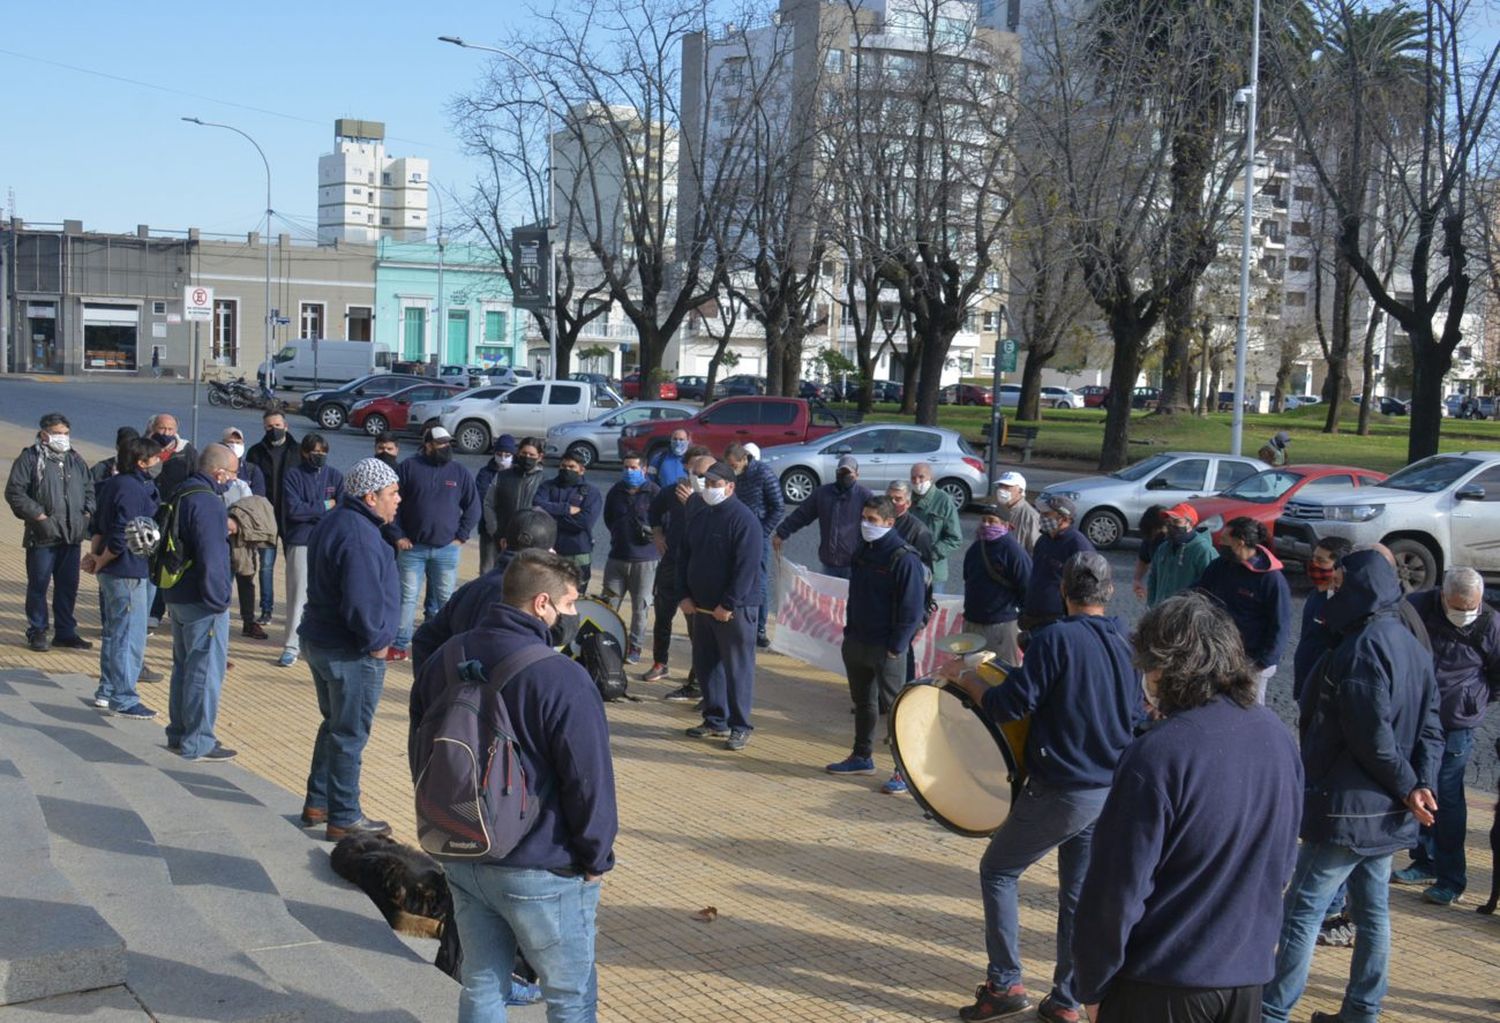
482, 327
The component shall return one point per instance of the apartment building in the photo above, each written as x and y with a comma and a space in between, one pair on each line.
364, 194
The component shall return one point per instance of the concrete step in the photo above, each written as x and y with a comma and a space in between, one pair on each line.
106, 1005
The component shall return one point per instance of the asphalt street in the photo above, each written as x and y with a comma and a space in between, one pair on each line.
97, 407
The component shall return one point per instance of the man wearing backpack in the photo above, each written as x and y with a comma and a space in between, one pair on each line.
541, 893
888, 590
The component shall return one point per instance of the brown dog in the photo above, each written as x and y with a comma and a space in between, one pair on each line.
406, 885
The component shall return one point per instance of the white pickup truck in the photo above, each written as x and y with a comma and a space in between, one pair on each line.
529, 410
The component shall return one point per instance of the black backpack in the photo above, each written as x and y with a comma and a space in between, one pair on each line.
600, 654
170, 561
929, 602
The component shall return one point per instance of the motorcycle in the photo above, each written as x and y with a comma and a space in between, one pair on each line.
239, 394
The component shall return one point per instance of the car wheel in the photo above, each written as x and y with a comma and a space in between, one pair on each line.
376, 424
1061, 404
958, 490
331, 417
473, 437
583, 453
1416, 565
1104, 527
798, 484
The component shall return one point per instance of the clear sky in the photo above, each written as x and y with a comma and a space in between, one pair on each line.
114, 153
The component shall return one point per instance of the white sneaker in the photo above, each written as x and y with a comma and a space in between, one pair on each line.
101, 703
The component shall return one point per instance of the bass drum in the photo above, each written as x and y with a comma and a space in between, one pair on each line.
961, 769
603, 618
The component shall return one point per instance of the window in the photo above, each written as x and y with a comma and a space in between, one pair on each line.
834, 62
1298, 264
1188, 474
565, 394
900, 63
739, 413
987, 363
917, 442
109, 335
989, 322
1301, 229
1490, 481
357, 190
1296, 299
310, 319
870, 442
1324, 482
494, 325
158, 308
385, 178
531, 394
779, 413
1231, 473
992, 280
360, 318
226, 331
385, 221
1303, 193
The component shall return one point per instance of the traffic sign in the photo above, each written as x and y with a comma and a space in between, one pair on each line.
198, 303
1008, 349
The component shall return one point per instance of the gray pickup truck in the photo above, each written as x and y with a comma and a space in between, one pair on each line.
1434, 514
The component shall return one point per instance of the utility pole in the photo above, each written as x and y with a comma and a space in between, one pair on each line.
1241, 335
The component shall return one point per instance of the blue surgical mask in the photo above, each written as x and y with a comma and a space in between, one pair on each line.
679, 448
633, 477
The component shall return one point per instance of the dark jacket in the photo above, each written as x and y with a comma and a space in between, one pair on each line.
627, 514
1257, 597
483, 480
203, 524
915, 533
837, 512
1083, 696
123, 497
469, 603
575, 531
1466, 661
939, 514
273, 461
182, 464
304, 496
719, 564
995, 576
1313, 641
62, 490
1178, 566
1048, 556
250, 473
353, 588
670, 515
562, 739
102, 470
887, 594
439, 503
760, 490
1369, 720
1202, 824
512, 491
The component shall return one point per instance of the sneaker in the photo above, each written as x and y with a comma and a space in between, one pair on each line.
763, 641
738, 739
73, 643
395, 653
1337, 932
1413, 875
523, 993
363, 826
633, 655
1326, 1017
38, 642
896, 786
656, 674
705, 730
147, 675
217, 755
1052, 1012
153, 623
992, 1004
101, 703
140, 712
1440, 896
684, 694
264, 619
852, 765
287, 659
253, 631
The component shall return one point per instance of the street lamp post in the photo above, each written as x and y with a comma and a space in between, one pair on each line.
550, 211
265, 241
1241, 336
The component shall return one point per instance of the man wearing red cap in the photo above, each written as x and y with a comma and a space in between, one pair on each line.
1179, 561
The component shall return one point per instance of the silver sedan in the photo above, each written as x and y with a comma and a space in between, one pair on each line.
591, 439
886, 452
425, 413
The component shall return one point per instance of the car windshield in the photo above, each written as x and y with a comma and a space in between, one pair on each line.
1264, 487
1142, 469
1431, 474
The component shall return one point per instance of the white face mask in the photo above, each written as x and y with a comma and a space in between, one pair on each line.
238, 449
921, 486
715, 495
1461, 619
699, 483
1149, 693
59, 442
505, 461
872, 531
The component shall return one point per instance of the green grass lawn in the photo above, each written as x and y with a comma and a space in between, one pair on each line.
1076, 434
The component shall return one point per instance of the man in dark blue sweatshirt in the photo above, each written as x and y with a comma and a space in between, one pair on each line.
1083, 697
668, 516
718, 573
439, 510
199, 605
1178, 917
760, 490
887, 602
997, 570
1371, 751
631, 568
575, 506
353, 611
1058, 542
836, 507
1246, 578
501, 460
543, 896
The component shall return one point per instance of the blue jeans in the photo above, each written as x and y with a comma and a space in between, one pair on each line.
1440, 848
724, 663
267, 579
1041, 820
1321, 868
56, 566
200, 650
550, 918
440, 567
123, 604
764, 595
348, 684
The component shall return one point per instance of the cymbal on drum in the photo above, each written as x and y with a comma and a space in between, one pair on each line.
969, 646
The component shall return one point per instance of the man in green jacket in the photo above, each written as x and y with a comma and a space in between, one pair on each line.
938, 512
1180, 559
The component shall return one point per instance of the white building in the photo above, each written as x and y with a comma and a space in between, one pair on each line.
364, 195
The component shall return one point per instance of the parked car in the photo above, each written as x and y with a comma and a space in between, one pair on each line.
884, 391
688, 388
464, 376
768, 422
1145, 397
510, 375
1061, 397
965, 394
1226, 402
1435, 513
740, 384
528, 410
1094, 395
1110, 506
1291, 402
811, 390
1263, 496
630, 387
322, 364
886, 452
591, 440
392, 411
1388, 406
423, 414
329, 409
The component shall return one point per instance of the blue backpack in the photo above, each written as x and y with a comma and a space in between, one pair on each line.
472, 797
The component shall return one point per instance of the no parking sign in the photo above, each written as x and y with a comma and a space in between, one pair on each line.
197, 303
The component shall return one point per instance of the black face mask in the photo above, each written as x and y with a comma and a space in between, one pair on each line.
442, 455
388, 458
844, 481
1179, 534
561, 632
317, 459
569, 478
525, 463
276, 435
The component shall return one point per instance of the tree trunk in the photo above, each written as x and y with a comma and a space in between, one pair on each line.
651, 348
1283, 377
775, 358
713, 368
1367, 384
1191, 160
1429, 364
1337, 386
1208, 401
910, 374
930, 379
1130, 344
791, 366
1029, 409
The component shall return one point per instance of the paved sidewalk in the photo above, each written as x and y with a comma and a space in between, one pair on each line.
834, 902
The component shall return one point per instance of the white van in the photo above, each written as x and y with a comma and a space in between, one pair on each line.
337, 362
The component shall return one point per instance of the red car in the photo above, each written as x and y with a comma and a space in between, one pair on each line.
1263, 496
1094, 395
965, 394
388, 412
630, 388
